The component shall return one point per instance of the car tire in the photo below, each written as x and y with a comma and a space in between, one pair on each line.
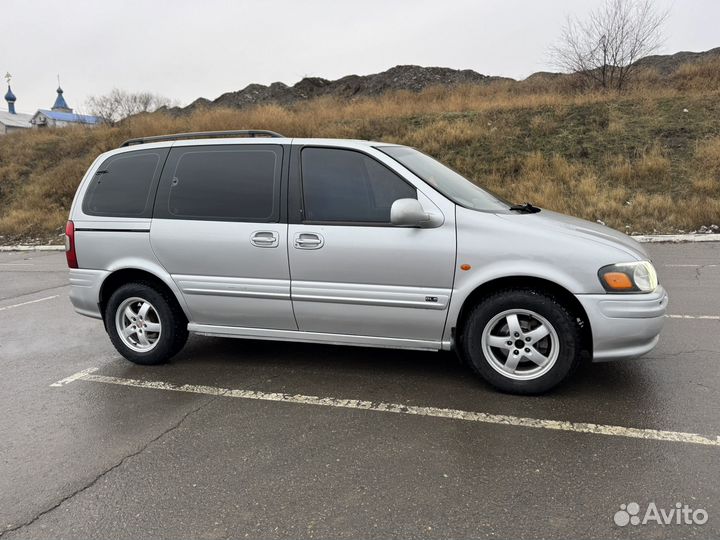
145, 324
501, 340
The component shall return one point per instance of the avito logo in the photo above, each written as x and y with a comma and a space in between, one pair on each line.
680, 514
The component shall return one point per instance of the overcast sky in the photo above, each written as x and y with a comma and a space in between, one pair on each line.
185, 49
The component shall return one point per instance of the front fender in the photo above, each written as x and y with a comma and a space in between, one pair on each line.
469, 281
495, 248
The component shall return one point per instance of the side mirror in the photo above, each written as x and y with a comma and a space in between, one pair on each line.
410, 213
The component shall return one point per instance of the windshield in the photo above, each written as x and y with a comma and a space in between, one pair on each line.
454, 186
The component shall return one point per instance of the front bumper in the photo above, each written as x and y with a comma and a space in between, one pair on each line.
624, 326
85, 291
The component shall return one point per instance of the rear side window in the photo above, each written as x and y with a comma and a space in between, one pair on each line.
123, 185
344, 185
221, 183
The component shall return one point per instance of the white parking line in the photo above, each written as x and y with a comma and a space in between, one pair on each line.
29, 302
75, 377
706, 317
454, 414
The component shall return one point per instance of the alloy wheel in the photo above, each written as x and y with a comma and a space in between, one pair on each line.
138, 324
520, 344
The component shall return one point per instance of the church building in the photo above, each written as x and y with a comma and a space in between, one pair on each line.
59, 115
10, 120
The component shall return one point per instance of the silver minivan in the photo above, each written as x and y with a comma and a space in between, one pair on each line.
249, 234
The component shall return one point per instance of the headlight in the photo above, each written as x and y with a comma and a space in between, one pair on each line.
634, 277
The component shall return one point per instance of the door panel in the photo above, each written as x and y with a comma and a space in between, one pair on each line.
226, 280
376, 281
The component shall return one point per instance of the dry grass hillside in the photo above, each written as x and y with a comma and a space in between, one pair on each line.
642, 161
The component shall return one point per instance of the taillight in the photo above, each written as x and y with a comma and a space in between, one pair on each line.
70, 245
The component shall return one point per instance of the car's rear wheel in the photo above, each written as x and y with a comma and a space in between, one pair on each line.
145, 324
521, 341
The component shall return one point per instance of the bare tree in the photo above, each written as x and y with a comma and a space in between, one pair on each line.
604, 48
119, 104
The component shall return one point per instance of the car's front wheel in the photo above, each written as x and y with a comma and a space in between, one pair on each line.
145, 324
521, 341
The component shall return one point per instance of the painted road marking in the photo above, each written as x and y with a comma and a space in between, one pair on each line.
455, 414
29, 302
75, 377
706, 317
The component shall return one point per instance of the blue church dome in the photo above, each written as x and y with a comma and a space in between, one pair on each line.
10, 97
60, 103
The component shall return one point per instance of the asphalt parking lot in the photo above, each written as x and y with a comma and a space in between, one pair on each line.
276, 440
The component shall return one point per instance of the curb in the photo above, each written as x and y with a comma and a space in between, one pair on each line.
31, 248
676, 238
642, 238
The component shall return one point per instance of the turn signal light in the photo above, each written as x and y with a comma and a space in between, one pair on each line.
618, 281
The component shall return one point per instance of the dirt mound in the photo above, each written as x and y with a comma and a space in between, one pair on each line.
412, 78
667, 64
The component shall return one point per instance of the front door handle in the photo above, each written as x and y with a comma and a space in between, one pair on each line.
265, 239
307, 240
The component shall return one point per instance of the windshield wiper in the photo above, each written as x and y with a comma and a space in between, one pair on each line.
526, 208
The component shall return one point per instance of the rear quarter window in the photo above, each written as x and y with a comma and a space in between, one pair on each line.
123, 186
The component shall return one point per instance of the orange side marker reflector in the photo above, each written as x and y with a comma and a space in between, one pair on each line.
618, 280
465, 267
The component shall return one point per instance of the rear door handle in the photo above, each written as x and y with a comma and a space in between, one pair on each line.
305, 240
265, 239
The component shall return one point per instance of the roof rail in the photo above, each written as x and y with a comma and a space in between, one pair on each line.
202, 135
